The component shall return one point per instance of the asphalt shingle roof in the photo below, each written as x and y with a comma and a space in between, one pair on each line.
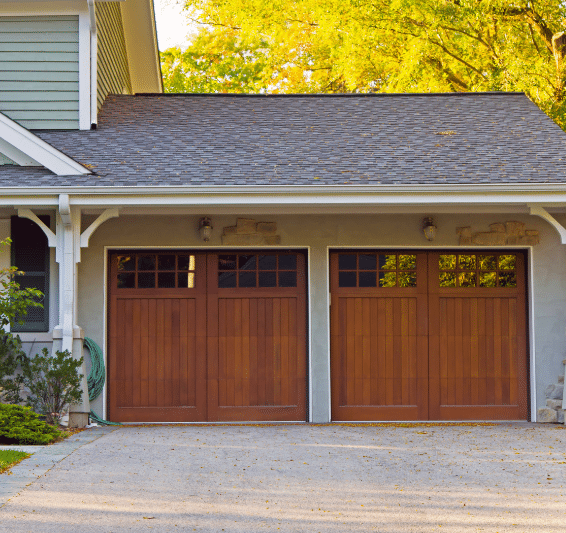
179, 140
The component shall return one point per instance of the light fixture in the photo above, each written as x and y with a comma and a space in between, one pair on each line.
429, 228
205, 228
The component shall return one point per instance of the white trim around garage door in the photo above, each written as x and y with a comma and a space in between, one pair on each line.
530, 304
108, 249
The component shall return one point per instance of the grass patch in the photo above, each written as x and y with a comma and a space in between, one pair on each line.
9, 458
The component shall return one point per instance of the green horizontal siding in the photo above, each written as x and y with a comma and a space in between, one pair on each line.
113, 70
45, 47
39, 71
45, 96
44, 76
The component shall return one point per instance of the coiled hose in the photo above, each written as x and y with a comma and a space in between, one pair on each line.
96, 378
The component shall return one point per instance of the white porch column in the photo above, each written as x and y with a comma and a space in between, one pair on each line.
67, 334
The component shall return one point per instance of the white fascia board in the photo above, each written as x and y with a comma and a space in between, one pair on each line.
38, 150
303, 196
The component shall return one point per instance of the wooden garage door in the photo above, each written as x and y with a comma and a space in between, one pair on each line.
207, 336
428, 335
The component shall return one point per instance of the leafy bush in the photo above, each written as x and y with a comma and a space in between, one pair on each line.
14, 305
52, 383
11, 354
20, 425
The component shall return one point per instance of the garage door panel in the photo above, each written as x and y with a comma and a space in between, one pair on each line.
156, 356
261, 359
443, 349
482, 360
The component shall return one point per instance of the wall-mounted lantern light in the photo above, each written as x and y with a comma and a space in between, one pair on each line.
429, 228
205, 228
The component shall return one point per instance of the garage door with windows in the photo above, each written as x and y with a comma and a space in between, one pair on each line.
206, 336
421, 335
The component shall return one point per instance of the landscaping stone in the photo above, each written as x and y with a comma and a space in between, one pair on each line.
560, 416
546, 414
554, 404
554, 392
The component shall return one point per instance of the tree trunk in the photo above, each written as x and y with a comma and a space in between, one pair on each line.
559, 52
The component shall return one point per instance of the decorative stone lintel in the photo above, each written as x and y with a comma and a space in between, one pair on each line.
248, 232
500, 234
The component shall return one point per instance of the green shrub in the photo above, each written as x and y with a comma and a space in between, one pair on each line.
52, 383
15, 303
20, 425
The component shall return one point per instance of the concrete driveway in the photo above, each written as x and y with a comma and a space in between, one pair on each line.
421, 478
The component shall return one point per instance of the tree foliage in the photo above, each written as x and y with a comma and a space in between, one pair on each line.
318, 46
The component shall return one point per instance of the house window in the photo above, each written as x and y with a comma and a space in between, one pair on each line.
30, 253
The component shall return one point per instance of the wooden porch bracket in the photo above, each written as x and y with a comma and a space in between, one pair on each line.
86, 234
28, 213
543, 213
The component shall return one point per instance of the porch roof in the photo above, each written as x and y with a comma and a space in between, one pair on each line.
288, 140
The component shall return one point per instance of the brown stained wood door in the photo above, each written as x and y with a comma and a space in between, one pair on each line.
478, 344
379, 335
189, 342
445, 339
157, 337
256, 336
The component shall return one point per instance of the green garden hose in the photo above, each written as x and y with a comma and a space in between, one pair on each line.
96, 378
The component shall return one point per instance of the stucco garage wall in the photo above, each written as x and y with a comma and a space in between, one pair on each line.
319, 233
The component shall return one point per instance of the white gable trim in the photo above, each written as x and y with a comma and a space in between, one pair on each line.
37, 150
17, 156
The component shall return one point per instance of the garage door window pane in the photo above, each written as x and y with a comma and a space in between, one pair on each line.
407, 262
387, 279
267, 262
268, 279
126, 263
226, 262
186, 262
447, 262
287, 279
507, 262
507, 279
407, 279
467, 279
487, 262
387, 262
247, 279
287, 262
346, 279
166, 262
146, 262
368, 279
246, 262
186, 280
165, 280
127, 281
447, 279
226, 280
488, 279
467, 262
368, 262
146, 280
347, 262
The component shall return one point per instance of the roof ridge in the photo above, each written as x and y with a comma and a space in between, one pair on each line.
328, 95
